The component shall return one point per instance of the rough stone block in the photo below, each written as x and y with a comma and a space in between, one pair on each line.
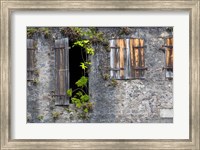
166, 113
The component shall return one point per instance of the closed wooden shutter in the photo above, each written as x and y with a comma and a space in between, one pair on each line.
127, 60
169, 57
30, 59
62, 71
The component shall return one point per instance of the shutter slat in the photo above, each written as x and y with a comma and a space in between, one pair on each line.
136, 50
128, 60
142, 60
132, 57
117, 63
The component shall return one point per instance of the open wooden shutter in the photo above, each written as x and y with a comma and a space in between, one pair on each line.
30, 59
127, 59
62, 71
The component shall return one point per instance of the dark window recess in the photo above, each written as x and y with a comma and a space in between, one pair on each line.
127, 60
30, 59
168, 50
76, 56
61, 71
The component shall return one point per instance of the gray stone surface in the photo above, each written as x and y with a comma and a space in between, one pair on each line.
131, 101
166, 113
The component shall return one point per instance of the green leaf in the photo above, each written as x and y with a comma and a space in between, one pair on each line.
78, 105
79, 93
90, 51
83, 66
82, 43
82, 82
69, 92
88, 63
86, 110
75, 100
85, 98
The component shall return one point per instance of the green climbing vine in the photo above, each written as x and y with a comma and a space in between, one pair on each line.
84, 40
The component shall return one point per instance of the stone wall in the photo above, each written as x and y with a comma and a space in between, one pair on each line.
130, 101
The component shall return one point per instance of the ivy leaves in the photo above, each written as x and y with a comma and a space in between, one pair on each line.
69, 92
80, 98
86, 45
82, 82
84, 65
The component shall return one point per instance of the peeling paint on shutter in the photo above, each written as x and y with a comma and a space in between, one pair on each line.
30, 59
62, 71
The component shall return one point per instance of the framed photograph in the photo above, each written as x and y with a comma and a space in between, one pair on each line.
100, 74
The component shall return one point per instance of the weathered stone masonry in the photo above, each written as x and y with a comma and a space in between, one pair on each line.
131, 101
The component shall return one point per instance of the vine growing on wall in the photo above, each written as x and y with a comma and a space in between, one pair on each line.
84, 40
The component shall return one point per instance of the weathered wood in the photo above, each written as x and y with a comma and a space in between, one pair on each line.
127, 66
117, 62
136, 56
169, 57
112, 58
169, 52
142, 58
62, 71
30, 59
132, 57
121, 44
127, 59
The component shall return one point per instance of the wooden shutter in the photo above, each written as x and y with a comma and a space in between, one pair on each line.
127, 59
121, 45
137, 58
30, 59
62, 71
169, 57
114, 60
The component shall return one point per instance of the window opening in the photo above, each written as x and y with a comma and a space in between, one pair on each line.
76, 56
